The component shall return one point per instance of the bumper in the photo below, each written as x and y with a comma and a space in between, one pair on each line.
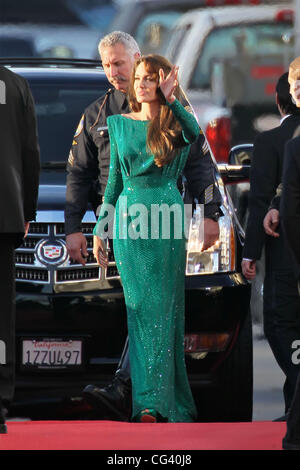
98, 319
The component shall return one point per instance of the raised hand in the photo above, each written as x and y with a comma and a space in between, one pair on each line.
169, 83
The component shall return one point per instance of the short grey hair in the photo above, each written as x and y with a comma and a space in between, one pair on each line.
119, 37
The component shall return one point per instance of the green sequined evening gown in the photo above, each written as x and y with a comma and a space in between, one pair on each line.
151, 267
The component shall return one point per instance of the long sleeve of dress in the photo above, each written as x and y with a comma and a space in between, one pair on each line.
188, 122
113, 189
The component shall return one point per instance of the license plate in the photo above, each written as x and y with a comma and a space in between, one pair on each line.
52, 353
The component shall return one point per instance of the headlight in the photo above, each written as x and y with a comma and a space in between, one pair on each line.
220, 257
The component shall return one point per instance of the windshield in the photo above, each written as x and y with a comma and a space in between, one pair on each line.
268, 43
59, 108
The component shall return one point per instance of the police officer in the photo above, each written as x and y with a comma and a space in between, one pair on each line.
88, 168
19, 180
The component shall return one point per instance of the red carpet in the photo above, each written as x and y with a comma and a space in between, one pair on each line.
111, 435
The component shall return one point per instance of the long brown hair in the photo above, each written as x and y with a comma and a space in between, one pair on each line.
164, 131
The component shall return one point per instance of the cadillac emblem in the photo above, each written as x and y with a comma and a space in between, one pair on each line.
52, 252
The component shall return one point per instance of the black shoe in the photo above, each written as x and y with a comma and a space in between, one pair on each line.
115, 398
3, 427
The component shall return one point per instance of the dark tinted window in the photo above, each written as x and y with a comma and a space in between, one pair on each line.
13, 47
59, 108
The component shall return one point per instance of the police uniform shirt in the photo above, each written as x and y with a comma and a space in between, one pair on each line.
89, 158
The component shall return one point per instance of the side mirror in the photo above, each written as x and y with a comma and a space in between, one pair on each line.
241, 155
239, 162
232, 174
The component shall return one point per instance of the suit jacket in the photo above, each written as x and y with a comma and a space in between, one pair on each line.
290, 200
265, 177
19, 154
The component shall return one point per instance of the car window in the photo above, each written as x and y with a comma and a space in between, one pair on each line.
251, 41
59, 108
153, 32
16, 47
177, 38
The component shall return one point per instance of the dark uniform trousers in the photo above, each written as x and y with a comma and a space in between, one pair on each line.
7, 316
282, 324
282, 310
290, 217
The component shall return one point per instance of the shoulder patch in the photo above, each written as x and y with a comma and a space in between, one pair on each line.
79, 127
209, 192
205, 147
71, 158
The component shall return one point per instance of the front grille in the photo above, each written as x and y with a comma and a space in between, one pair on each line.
59, 229
87, 228
30, 243
84, 274
32, 275
112, 272
39, 228
90, 259
57, 267
24, 258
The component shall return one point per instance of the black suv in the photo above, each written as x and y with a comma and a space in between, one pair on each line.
71, 320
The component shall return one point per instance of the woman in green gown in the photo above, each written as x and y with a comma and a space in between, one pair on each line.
149, 148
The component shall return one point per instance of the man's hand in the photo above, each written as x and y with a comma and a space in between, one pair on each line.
211, 233
99, 251
77, 247
249, 269
26, 228
271, 222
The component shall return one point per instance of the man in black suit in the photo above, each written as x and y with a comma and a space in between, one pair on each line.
290, 219
287, 204
281, 300
19, 179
